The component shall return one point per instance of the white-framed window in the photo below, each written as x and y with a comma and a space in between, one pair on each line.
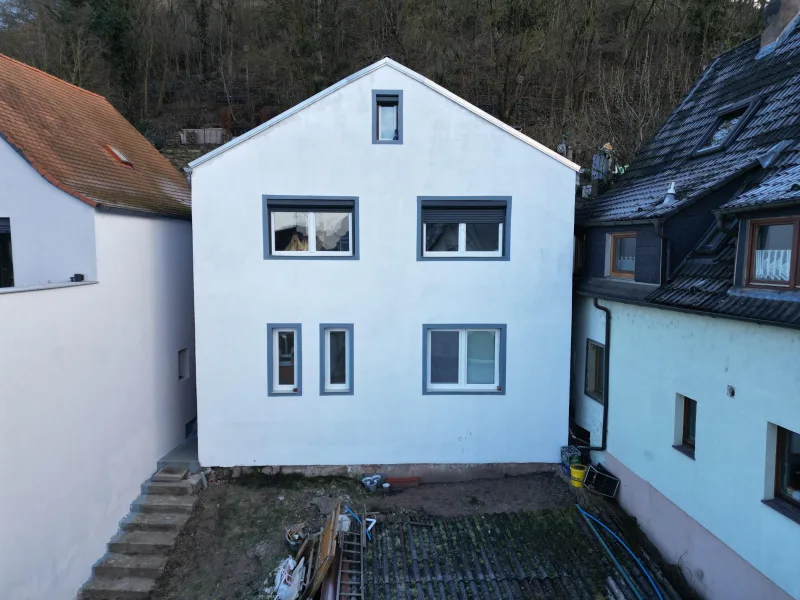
309, 232
463, 228
336, 359
387, 116
464, 359
285, 359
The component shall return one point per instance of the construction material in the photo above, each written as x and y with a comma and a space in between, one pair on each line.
600, 481
403, 481
350, 580
326, 553
577, 474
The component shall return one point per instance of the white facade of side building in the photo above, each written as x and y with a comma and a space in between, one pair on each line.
705, 515
89, 391
325, 149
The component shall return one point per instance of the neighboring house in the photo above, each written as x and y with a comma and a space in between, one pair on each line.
382, 276
96, 326
695, 372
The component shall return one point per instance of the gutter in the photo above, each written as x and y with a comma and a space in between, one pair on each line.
606, 371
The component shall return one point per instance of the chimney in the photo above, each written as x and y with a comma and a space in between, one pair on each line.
778, 15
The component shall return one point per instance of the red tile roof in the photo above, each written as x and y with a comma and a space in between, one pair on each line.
63, 131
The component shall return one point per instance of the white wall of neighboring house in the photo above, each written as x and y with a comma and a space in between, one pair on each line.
52, 233
704, 514
326, 150
588, 323
89, 401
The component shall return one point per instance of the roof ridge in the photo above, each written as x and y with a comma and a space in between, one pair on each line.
46, 74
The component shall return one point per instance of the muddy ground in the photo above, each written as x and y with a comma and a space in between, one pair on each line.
235, 538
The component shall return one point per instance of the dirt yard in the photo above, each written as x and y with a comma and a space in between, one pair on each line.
234, 540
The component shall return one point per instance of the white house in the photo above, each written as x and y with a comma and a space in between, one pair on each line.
96, 326
686, 347
383, 277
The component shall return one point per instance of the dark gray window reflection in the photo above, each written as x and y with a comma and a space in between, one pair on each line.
483, 237
441, 237
444, 356
338, 357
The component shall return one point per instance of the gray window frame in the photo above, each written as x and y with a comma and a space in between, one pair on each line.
593, 394
271, 327
374, 128
465, 202
323, 354
308, 202
501, 367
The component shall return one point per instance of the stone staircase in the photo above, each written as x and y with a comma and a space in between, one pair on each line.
137, 554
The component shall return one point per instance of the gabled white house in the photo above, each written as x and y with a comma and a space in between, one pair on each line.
382, 276
96, 326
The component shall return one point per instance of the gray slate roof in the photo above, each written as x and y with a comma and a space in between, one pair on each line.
732, 77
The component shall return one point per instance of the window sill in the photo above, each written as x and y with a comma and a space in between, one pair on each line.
460, 258
45, 286
685, 450
309, 257
336, 392
787, 510
464, 392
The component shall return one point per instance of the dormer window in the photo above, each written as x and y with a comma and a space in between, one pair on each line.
622, 255
387, 117
117, 153
774, 248
725, 128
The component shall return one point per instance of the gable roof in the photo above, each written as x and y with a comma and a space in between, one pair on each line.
733, 77
63, 130
385, 62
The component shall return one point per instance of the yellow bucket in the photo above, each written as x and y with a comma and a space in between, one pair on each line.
577, 473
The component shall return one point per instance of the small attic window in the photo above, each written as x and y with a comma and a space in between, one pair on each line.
725, 128
117, 153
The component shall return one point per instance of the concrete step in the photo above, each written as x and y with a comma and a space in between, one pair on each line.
170, 474
130, 565
164, 504
142, 542
139, 521
118, 588
177, 488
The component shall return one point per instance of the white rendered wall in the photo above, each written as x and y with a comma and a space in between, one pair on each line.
90, 401
388, 295
657, 354
52, 233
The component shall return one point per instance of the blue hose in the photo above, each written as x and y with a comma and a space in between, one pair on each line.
347, 508
616, 537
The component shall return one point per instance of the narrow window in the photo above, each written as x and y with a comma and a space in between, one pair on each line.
310, 228
687, 423
284, 359
774, 246
595, 371
787, 463
466, 229
183, 364
6, 262
387, 116
464, 359
622, 255
336, 368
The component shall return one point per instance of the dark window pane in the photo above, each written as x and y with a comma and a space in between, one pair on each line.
773, 253
624, 254
789, 465
286, 358
291, 231
338, 357
483, 237
333, 231
6, 261
689, 420
441, 237
444, 356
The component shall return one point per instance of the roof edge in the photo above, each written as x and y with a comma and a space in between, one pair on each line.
49, 178
386, 61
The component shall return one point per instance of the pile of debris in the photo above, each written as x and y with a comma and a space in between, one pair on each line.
328, 563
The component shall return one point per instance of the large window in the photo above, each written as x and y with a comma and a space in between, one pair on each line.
336, 359
464, 359
774, 247
310, 227
6, 262
787, 476
622, 255
595, 386
463, 228
285, 359
387, 117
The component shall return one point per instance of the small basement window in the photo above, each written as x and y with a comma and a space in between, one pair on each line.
310, 228
452, 228
595, 371
622, 255
464, 359
6, 259
774, 247
387, 117
117, 153
284, 358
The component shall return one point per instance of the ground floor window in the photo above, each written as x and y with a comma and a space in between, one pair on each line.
464, 358
595, 371
284, 358
787, 480
336, 359
6, 262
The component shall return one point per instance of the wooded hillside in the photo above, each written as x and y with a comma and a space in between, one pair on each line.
590, 71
